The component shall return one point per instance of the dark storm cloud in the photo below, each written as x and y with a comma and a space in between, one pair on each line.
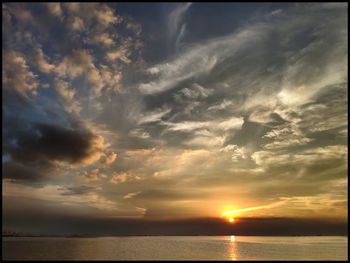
53, 143
25, 173
36, 150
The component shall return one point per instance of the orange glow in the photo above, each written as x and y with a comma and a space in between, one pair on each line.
230, 216
229, 213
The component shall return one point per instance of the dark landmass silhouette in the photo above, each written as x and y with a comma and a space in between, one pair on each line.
93, 227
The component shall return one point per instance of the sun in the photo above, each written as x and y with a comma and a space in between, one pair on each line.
230, 216
231, 220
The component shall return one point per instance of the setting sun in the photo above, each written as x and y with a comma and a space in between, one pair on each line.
229, 216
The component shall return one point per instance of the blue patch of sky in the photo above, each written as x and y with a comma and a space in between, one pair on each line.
6, 158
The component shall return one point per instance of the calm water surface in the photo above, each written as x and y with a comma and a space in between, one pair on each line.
170, 247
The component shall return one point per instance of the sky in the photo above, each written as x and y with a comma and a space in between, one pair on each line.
173, 111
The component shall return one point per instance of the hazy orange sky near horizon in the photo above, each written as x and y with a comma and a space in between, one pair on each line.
175, 110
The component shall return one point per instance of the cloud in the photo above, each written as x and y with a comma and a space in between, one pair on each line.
23, 15
72, 7
328, 111
204, 138
140, 133
131, 195
78, 63
238, 153
61, 198
42, 63
67, 95
94, 15
104, 39
154, 116
106, 16
287, 143
111, 78
110, 159
121, 54
175, 17
181, 35
176, 27
174, 164
23, 173
223, 105
187, 126
118, 178
92, 176
76, 23
54, 8
303, 157
199, 60
51, 143
261, 115
194, 92
297, 95
173, 73
81, 63
78, 190
232, 123
140, 152
286, 136
17, 75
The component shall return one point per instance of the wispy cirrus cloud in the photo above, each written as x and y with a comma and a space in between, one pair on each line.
186, 126
198, 60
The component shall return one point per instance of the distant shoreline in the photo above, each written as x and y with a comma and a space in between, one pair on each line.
91, 236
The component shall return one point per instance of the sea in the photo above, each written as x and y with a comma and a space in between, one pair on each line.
176, 248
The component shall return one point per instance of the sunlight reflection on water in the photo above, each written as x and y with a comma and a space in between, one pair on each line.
233, 252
